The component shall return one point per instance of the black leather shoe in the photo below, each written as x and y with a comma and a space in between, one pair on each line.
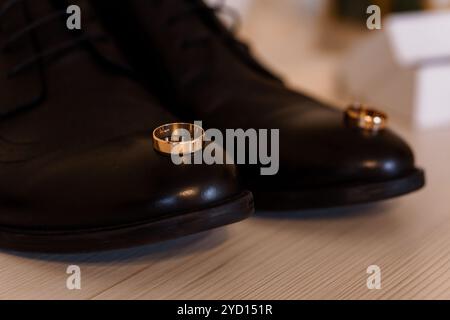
78, 171
202, 72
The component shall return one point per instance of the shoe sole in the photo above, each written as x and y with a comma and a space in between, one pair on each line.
338, 196
227, 212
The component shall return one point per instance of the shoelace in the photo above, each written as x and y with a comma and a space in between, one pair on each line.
40, 56
50, 52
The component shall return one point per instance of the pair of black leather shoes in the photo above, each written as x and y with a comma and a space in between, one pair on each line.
77, 168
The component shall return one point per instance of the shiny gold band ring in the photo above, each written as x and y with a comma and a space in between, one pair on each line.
365, 118
178, 138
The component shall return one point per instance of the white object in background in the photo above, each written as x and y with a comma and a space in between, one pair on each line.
404, 68
242, 6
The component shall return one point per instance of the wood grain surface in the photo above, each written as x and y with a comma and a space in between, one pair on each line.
319, 254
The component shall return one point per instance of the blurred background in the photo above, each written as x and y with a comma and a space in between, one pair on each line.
324, 48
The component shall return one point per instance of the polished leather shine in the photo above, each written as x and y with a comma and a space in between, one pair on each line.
203, 73
79, 155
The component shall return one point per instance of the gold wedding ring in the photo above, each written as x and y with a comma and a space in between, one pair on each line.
178, 138
362, 117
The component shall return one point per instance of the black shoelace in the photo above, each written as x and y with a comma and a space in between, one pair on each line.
40, 56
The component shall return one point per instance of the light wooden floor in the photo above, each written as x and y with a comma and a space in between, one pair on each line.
294, 255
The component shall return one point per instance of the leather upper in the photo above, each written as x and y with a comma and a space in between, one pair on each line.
81, 155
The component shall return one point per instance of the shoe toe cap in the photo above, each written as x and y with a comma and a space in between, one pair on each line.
121, 182
318, 149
